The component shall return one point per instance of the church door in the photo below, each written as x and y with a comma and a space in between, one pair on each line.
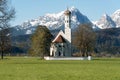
59, 53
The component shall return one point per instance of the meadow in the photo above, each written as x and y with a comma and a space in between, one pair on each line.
19, 68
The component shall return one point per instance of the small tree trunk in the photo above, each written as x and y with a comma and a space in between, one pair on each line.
83, 54
2, 55
42, 56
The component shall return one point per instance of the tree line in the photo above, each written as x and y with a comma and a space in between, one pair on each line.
83, 41
86, 41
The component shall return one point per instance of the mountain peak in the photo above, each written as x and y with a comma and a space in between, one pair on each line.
73, 8
53, 21
116, 17
117, 11
57, 15
105, 15
105, 22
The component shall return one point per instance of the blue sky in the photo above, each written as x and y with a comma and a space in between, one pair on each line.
31, 9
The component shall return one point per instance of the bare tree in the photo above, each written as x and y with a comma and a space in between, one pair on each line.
6, 15
84, 39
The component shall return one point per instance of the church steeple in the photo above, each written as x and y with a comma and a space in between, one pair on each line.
67, 14
67, 18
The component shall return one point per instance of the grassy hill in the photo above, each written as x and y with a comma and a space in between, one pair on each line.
35, 69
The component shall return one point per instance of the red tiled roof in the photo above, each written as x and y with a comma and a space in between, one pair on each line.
59, 39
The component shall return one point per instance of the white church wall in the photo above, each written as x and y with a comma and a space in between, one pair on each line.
58, 49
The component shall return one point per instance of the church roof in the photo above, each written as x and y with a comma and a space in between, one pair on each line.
67, 12
59, 39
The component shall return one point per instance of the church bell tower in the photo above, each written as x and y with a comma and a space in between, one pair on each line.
67, 22
68, 25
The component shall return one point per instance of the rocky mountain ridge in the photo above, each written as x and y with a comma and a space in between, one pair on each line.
56, 22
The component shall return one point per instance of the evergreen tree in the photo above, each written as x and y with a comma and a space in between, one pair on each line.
40, 42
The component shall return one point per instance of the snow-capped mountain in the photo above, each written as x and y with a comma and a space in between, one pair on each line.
55, 21
105, 22
116, 17
52, 21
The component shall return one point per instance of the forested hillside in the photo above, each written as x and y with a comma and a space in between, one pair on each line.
107, 42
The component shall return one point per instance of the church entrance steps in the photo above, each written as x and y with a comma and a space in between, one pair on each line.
67, 58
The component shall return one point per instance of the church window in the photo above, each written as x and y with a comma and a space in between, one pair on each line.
67, 21
59, 53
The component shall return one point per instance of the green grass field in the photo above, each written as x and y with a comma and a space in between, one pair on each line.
36, 69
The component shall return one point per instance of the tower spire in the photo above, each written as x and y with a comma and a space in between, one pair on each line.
67, 8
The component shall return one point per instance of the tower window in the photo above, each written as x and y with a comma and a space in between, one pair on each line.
67, 21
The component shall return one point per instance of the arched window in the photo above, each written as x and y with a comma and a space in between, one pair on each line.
59, 53
67, 21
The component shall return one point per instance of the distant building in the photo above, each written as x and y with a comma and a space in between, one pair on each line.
61, 45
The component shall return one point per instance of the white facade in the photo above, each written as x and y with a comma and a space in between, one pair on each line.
61, 45
68, 25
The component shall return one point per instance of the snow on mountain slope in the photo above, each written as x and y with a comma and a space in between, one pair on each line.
116, 17
78, 18
105, 22
52, 21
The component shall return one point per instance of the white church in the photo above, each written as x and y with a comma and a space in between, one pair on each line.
61, 45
